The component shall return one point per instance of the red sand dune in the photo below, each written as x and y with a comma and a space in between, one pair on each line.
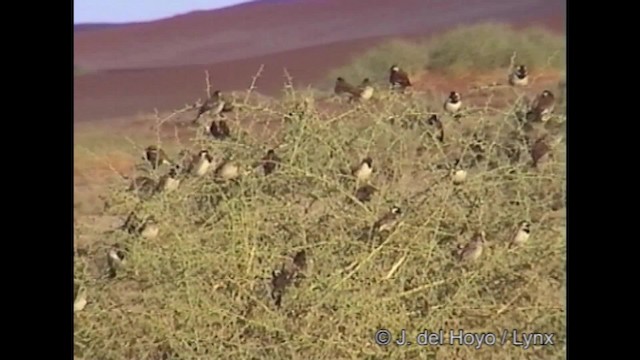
161, 64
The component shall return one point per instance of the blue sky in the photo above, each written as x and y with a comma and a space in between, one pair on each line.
117, 11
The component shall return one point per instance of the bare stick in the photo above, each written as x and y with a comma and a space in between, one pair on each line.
208, 81
252, 87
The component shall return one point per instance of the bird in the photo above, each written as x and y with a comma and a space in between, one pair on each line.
155, 156
80, 300
270, 162
219, 130
227, 170
149, 228
452, 104
389, 220
300, 260
363, 171
433, 120
519, 77
115, 260
215, 104
473, 249
539, 150
344, 88
364, 193
365, 90
201, 163
542, 107
398, 78
458, 174
143, 186
280, 279
521, 235
170, 181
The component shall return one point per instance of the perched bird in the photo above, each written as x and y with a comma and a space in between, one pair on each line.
201, 163
155, 156
280, 279
219, 130
228, 170
398, 78
521, 235
143, 186
452, 104
435, 122
519, 77
215, 104
170, 181
80, 299
458, 174
363, 171
388, 220
343, 88
115, 260
270, 162
473, 249
542, 107
149, 228
539, 150
300, 261
365, 90
364, 193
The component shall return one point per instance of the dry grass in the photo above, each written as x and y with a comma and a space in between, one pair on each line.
201, 289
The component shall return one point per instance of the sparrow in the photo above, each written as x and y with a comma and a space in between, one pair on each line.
539, 150
149, 229
228, 170
201, 163
155, 156
270, 162
520, 77
398, 78
434, 121
458, 174
215, 104
363, 171
115, 260
473, 249
365, 90
343, 88
542, 107
143, 186
300, 261
452, 104
521, 235
170, 181
387, 221
219, 130
80, 300
364, 193
280, 279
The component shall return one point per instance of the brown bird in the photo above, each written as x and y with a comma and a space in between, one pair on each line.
434, 121
388, 221
520, 77
343, 88
149, 228
398, 78
300, 261
539, 150
280, 279
227, 170
363, 171
364, 193
542, 107
115, 260
270, 162
453, 104
215, 104
521, 235
219, 130
473, 249
143, 186
155, 156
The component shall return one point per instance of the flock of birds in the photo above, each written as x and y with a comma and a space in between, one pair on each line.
203, 164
